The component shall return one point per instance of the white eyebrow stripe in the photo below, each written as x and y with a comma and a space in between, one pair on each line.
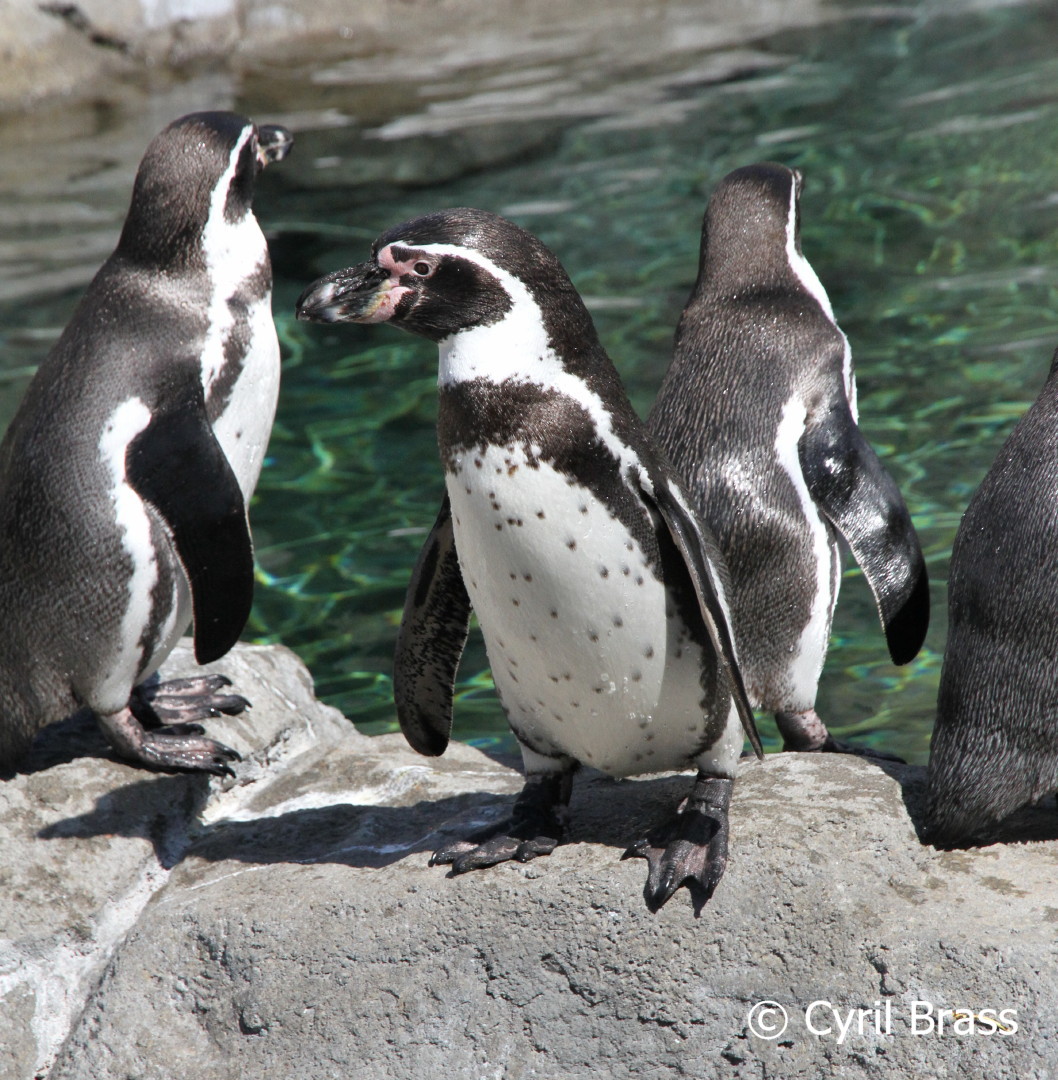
518, 348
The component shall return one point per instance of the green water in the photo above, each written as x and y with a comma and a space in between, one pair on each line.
928, 136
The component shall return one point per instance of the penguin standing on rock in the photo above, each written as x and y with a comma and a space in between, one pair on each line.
758, 414
601, 598
126, 472
995, 743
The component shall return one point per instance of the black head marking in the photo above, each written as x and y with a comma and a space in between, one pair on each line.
455, 295
570, 330
744, 232
465, 292
176, 180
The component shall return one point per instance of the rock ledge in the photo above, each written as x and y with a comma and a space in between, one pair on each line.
286, 923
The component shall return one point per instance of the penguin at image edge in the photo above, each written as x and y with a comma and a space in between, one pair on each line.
126, 472
601, 598
995, 742
758, 413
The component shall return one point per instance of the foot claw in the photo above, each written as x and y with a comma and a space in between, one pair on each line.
176, 746
184, 700
690, 849
536, 827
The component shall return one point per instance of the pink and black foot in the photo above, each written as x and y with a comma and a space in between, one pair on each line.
536, 827
804, 732
691, 848
159, 727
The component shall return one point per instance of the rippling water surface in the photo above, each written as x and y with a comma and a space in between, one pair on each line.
928, 136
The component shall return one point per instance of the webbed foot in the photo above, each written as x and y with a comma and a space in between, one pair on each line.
175, 746
180, 701
691, 848
536, 827
804, 732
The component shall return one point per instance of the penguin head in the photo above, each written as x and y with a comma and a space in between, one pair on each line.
448, 272
200, 165
751, 230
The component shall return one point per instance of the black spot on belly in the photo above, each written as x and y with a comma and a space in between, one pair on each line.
572, 545
618, 621
540, 514
604, 571
648, 652
545, 426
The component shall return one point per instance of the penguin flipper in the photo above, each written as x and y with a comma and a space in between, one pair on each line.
693, 545
862, 501
433, 632
176, 464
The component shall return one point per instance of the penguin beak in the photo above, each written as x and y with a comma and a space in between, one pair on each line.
361, 294
273, 143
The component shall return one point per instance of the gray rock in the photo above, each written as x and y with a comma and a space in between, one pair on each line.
294, 928
87, 839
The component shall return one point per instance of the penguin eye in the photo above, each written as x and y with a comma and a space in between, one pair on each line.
423, 269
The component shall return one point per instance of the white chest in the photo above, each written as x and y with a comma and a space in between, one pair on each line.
244, 426
588, 655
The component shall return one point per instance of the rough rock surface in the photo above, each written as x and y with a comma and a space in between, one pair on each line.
287, 924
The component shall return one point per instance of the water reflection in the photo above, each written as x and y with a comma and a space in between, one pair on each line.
929, 214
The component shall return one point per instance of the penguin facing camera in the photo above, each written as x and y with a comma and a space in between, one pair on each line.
995, 742
758, 415
126, 473
602, 599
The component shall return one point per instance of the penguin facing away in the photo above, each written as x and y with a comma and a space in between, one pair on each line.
602, 599
995, 743
126, 472
758, 414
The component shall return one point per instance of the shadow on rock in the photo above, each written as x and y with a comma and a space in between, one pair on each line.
603, 811
157, 810
78, 736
